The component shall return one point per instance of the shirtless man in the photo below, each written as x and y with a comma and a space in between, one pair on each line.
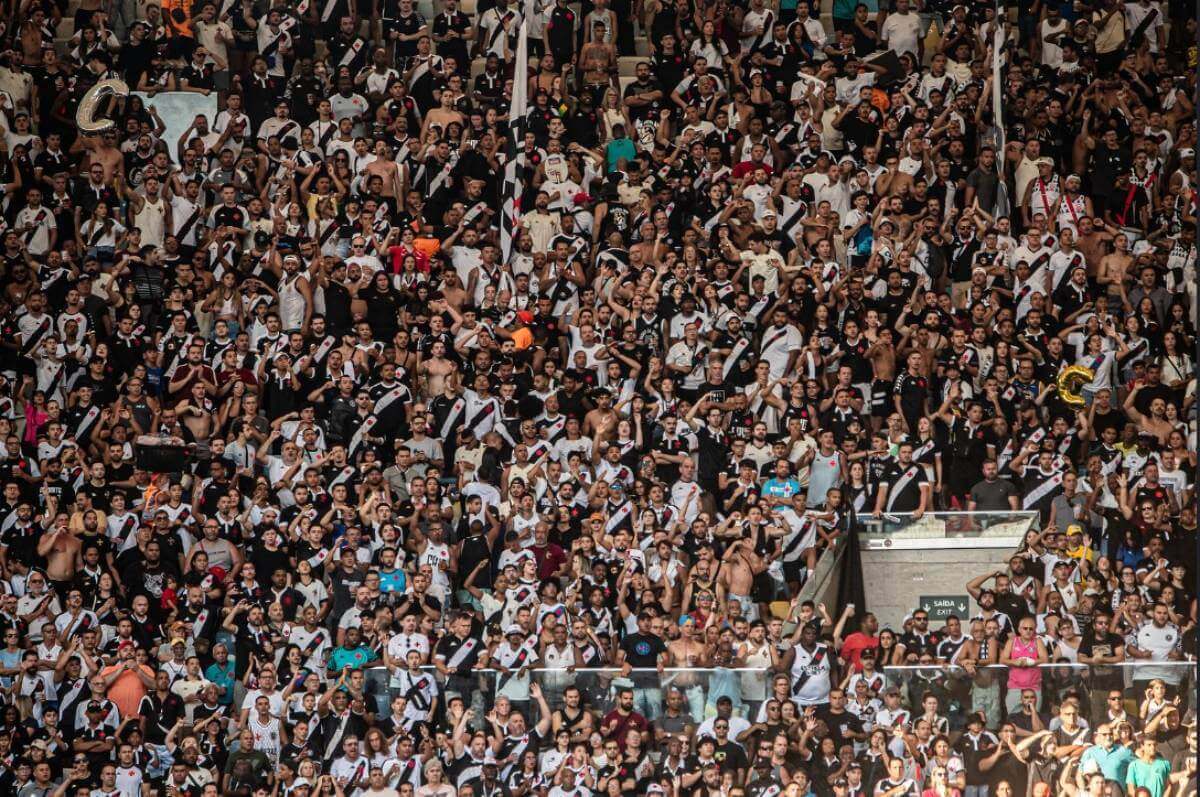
63, 553
1092, 240
33, 45
195, 413
441, 116
598, 62
1156, 422
1114, 267
545, 77
893, 182
103, 150
391, 173
434, 371
736, 579
817, 227
603, 419
882, 356
689, 651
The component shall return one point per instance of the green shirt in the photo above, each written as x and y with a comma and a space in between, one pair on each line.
1152, 776
355, 658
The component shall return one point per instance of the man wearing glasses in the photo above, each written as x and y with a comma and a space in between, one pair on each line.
1101, 646
1105, 755
38, 606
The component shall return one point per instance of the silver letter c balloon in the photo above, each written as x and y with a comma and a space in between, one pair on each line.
85, 114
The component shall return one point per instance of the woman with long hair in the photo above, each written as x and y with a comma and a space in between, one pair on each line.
224, 302
709, 46
613, 113
100, 235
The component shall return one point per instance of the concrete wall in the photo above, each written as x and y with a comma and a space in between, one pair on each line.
896, 579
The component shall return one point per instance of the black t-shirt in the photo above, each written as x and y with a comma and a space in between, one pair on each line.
904, 487
1103, 645
859, 134
841, 725
643, 650
1009, 768
731, 757
993, 496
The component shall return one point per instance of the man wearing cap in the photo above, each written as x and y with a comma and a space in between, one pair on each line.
513, 658
1072, 205
1042, 192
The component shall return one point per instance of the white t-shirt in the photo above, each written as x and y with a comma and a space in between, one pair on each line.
902, 32
1051, 52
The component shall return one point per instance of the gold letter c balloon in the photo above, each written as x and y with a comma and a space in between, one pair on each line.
1070, 380
85, 114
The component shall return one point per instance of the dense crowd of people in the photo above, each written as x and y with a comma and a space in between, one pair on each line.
318, 481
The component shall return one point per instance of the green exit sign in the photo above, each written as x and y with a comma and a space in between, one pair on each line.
940, 607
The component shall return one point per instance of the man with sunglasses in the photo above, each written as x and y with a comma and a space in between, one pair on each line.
1099, 646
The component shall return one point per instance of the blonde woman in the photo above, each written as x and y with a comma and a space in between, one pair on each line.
435, 782
939, 785
613, 114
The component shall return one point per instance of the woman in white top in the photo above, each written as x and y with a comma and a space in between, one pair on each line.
225, 302
709, 46
101, 233
1175, 363
613, 113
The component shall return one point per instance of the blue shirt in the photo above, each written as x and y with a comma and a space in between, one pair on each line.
393, 581
222, 676
617, 149
780, 490
355, 658
9, 660
1152, 776
1113, 761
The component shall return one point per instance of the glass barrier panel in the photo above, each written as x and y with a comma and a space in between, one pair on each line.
684, 696
1144, 688
941, 525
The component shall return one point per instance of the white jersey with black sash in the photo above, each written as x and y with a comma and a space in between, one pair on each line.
514, 684
314, 645
420, 690
482, 413
811, 673
802, 535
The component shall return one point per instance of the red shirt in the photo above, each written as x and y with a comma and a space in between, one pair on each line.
854, 645
549, 559
747, 167
624, 723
